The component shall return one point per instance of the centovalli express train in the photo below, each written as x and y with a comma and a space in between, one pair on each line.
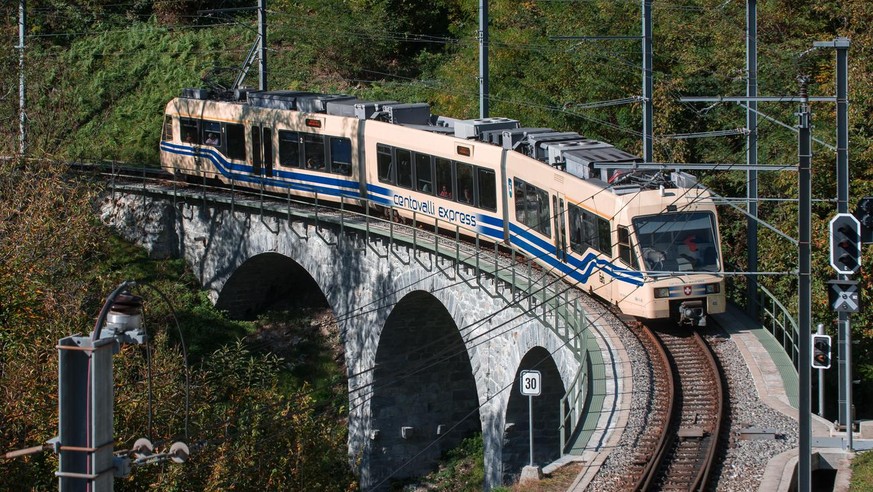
645, 241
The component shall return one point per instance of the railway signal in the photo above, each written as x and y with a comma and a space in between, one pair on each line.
864, 214
821, 351
845, 243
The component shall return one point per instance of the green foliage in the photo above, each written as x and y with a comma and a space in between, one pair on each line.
462, 468
862, 472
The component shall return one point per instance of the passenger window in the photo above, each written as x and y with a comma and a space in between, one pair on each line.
532, 207
487, 184
404, 167
385, 163
168, 129
268, 151
423, 173
313, 151
465, 183
289, 148
587, 231
341, 156
236, 141
626, 248
444, 177
190, 130
256, 150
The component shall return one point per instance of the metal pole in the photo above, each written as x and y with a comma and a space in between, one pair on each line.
262, 35
752, 152
483, 59
530, 425
845, 327
22, 90
804, 469
647, 81
821, 392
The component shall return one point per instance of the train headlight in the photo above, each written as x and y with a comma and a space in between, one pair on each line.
662, 292
713, 288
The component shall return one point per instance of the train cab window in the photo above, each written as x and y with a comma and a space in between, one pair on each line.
423, 173
313, 151
168, 129
404, 167
444, 180
626, 248
289, 148
211, 133
256, 150
464, 185
487, 184
532, 207
190, 130
235, 135
588, 231
385, 163
341, 156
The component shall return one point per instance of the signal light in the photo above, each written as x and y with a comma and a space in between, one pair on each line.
845, 243
864, 214
821, 351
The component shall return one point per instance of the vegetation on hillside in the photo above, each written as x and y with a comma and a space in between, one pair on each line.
100, 72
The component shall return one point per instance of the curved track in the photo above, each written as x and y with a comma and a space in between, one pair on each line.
678, 448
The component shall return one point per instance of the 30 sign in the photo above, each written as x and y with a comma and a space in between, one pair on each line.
531, 383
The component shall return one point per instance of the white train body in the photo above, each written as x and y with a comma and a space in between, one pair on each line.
653, 251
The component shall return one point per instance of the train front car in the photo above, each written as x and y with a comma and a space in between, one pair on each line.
670, 235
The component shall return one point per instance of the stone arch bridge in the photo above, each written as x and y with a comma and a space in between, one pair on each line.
435, 332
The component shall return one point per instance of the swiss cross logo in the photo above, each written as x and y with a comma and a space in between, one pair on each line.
687, 290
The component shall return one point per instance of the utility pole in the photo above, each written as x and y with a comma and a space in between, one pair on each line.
647, 81
752, 151
804, 318
262, 36
22, 90
483, 59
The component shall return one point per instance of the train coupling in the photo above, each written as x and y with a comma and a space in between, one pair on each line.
692, 313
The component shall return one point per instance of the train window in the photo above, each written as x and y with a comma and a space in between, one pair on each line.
626, 248
190, 130
404, 167
289, 148
256, 150
423, 173
385, 162
236, 141
588, 231
532, 207
444, 177
168, 129
341, 156
487, 188
268, 151
211, 133
313, 151
464, 173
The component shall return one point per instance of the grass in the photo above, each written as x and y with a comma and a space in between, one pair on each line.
862, 472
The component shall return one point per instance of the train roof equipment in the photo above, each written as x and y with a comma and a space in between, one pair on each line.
567, 151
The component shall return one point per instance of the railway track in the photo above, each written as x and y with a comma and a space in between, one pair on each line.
677, 449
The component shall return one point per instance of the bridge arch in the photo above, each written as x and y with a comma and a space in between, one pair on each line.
267, 281
546, 416
424, 399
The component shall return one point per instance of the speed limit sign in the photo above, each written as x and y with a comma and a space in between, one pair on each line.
530, 383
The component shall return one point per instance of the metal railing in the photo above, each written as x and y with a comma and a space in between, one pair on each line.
547, 297
776, 318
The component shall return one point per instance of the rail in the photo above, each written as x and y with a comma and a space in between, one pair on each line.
549, 299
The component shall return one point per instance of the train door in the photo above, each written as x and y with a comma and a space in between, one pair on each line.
267, 141
560, 228
256, 150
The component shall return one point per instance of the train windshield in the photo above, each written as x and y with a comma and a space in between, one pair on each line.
678, 242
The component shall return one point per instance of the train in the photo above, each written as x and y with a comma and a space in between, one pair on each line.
647, 242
